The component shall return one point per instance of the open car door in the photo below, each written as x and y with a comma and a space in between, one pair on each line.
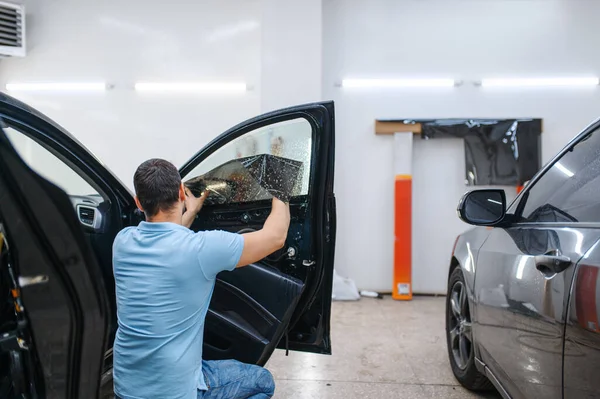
285, 299
54, 332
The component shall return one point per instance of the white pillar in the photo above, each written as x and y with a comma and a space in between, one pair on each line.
291, 61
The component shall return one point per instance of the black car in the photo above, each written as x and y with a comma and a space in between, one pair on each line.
523, 304
60, 210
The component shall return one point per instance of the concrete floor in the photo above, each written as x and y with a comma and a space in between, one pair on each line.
381, 349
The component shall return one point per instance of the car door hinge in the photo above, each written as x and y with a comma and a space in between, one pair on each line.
308, 263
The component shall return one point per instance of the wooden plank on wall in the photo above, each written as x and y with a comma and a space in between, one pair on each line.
390, 127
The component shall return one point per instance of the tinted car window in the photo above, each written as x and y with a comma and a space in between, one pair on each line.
269, 161
570, 190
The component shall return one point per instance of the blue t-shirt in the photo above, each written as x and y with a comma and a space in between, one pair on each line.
165, 276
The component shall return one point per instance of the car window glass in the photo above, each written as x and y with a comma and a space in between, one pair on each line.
569, 191
258, 165
47, 165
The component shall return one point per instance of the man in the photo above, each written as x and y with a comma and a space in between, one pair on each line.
165, 275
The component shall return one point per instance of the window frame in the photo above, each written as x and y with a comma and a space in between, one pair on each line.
67, 148
11, 129
57, 150
520, 201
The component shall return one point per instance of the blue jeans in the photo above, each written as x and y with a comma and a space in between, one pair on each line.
230, 379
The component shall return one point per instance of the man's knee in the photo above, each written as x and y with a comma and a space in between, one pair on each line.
265, 381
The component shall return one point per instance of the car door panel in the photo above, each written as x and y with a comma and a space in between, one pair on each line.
582, 332
264, 295
65, 327
254, 304
248, 284
229, 299
239, 328
248, 307
520, 310
235, 338
251, 217
288, 294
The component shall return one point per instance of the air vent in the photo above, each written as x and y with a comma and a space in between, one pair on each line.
87, 215
12, 30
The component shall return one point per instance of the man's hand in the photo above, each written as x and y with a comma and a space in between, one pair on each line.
193, 203
192, 206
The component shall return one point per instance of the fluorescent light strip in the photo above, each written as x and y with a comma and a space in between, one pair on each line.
540, 82
563, 169
191, 86
397, 83
57, 86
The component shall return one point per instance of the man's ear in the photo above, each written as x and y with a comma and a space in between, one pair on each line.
137, 203
181, 193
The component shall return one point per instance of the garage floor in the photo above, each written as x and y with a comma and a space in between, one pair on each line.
381, 349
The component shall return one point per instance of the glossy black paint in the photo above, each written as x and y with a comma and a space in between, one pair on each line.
483, 207
532, 288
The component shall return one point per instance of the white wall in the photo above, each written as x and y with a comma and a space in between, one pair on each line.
457, 39
273, 46
121, 42
293, 52
291, 62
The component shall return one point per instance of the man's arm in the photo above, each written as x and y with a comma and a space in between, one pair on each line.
192, 207
270, 238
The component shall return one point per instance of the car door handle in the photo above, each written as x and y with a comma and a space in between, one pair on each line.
552, 263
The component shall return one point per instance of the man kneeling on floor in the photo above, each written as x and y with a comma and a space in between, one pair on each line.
165, 275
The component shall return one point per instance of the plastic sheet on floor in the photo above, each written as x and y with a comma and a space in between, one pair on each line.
344, 289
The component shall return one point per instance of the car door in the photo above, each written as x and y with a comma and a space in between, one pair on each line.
287, 295
102, 204
54, 334
285, 299
582, 333
525, 270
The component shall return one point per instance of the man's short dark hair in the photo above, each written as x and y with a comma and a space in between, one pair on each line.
157, 183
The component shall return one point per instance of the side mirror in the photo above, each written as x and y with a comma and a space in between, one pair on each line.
483, 207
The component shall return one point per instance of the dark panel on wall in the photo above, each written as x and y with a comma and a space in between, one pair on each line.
497, 151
